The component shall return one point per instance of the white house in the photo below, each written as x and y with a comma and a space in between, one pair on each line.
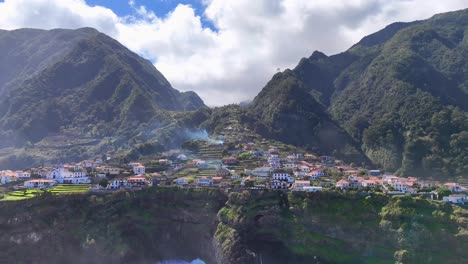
277, 184
117, 184
369, 183
299, 173
65, 175
7, 176
291, 158
399, 186
38, 183
181, 181
87, 163
182, 157
201, 164
139, 169
316, 174
23, 174
290, 166
204, 181
283, 176
456, 199
304, 168
262, 171
453, 187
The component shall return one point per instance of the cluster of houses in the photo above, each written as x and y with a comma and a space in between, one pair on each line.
294, 172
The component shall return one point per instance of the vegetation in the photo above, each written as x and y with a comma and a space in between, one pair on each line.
400, 94
93, 92
346, 227
57, 190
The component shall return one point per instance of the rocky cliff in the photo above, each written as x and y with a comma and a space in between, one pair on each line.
247, 227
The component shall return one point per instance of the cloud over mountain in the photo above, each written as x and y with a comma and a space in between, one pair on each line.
231, 60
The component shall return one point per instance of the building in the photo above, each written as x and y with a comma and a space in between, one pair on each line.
453, 187
223, 173
203, 182
117, 184
139, 169
165, 162
278, 184
304, 168
399, 186
282, 176
262, 172
456, 199
137, 181
23, 174
299, 185
7, 176
315, 174
230, 161
217, 180
109, 170
70, 175
38, 183
290, 166
87, 164
374, 172
181, 181
343, 184
291, 158
182, 157
369, 183
201, 163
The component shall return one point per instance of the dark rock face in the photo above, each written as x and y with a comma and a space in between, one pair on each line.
144, 227
248, 227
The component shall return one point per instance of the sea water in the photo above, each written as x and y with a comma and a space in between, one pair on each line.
195, 261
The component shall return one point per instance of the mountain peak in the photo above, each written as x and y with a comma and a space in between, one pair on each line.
317, 55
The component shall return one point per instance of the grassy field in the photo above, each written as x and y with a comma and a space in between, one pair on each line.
58, 189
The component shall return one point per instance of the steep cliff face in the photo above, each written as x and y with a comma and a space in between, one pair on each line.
248, 227
340, 228
142, 227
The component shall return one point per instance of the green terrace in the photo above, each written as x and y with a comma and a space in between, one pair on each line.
58, 190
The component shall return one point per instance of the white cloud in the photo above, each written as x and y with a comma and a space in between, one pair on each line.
252, 40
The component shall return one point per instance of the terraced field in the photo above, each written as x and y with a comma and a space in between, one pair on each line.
57, 190
20, 195
210, 152
70, 188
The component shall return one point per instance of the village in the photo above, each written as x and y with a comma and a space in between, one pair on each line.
244, 168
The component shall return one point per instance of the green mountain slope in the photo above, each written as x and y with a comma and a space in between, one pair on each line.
83, 83
400, 93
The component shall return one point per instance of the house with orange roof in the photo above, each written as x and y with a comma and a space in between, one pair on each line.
343, 184
300, 184
453, 187
7, 176
138, 180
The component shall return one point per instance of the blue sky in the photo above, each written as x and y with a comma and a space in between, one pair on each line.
160, 7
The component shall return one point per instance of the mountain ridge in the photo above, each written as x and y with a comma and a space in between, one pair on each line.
389, 91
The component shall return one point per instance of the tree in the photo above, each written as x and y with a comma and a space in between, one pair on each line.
442, 191
104, 182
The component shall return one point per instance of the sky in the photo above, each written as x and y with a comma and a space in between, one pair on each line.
225, 50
